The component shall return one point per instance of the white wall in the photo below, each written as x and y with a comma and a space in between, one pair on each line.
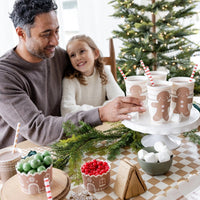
94, 20
97, 22
8, 38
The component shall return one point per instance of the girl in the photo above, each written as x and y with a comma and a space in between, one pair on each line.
88, 83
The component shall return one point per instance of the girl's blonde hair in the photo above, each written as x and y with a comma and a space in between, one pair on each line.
98, 63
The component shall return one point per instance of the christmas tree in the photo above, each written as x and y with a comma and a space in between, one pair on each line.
157, 32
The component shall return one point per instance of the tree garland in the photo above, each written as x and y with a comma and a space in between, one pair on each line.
86, 139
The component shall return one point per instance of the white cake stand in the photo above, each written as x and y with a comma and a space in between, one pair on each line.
163, 132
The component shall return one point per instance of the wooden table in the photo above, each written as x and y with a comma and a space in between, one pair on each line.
186, 162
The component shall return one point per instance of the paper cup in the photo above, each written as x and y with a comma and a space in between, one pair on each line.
158, 75
8, 160
136, 86
34, 183
182, 98
159, 98
96, 183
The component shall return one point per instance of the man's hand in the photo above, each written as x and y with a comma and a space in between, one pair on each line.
118, 109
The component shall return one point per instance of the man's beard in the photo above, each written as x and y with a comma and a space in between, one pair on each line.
41, 53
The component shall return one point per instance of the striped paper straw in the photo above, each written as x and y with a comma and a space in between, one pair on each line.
122, 73
193, 72
16, 138
147, 72
144, 67
47, 188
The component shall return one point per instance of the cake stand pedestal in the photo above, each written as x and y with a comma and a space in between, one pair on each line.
165, 132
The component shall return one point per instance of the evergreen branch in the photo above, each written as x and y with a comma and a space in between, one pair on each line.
86, 139
193, 137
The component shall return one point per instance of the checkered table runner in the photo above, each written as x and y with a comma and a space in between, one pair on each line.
186, 161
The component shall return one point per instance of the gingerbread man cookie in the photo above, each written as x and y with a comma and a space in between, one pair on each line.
162, 105
136, 92
182, 101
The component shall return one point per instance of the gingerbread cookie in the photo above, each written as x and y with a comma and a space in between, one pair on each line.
182, 101
136, 92
162, 106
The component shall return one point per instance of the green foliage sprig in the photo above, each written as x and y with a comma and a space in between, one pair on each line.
86, 139
193, 137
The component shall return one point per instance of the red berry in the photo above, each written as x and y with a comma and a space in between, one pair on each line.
95, 167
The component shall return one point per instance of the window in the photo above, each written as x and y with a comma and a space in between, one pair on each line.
68, 14
70, 17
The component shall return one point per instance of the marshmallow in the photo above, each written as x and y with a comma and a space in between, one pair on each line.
141, 154
151, 157
158, 146
163, 156
165, 149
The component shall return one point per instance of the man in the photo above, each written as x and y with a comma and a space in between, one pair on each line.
31, 80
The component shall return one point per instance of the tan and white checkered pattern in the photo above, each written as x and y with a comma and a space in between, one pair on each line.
186, 161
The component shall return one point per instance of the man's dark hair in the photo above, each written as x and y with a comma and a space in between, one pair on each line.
24, 11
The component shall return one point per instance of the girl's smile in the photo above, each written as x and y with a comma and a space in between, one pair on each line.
82, 56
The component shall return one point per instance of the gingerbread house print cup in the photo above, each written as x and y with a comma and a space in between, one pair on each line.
136, 86
32, 170
34, 183
96, 175
159, 99
182, 98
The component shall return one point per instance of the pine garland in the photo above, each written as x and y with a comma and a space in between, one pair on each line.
193, 137
86, 139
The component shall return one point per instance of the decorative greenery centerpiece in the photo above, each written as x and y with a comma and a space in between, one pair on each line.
157, 32
86, 139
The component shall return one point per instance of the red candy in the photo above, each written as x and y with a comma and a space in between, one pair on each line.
95, 167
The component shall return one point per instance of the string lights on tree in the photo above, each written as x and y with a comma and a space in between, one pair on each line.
157, 32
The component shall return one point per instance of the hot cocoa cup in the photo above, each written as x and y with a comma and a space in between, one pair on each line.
159, 98
182, 98
136, 86
8, 160
158, 75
